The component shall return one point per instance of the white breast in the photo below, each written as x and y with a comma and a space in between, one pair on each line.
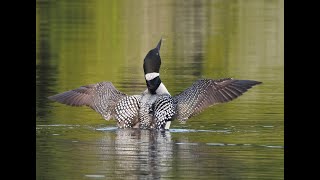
162, 89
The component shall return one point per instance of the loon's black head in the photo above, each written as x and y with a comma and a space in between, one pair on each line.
151, 67
152, 61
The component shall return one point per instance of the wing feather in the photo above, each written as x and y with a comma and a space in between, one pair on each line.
207, 92
102, 97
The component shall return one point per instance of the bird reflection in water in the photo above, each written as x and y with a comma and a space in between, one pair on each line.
137, 153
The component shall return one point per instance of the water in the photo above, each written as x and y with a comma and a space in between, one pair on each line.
85, 42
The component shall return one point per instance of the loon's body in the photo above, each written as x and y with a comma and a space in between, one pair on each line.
154, 108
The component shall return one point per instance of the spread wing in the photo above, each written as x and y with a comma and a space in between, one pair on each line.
101, 97
206, 92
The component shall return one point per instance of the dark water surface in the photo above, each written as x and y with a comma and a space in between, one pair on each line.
85, 42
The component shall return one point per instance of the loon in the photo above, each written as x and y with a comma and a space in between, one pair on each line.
154, 108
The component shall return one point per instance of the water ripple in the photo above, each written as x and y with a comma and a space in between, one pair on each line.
59, 125
195, 130
170, 130
95, 176
107, 129
215, 144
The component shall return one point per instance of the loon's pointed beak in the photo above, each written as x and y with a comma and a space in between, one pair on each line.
159, 44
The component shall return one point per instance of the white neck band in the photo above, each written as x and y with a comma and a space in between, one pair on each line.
151, 76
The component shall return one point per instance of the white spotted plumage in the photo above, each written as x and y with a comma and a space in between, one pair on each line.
147, 110
126, 111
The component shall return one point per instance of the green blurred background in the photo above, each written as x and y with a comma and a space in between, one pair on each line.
85, 42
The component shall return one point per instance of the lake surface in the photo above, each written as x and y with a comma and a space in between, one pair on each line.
85, 42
